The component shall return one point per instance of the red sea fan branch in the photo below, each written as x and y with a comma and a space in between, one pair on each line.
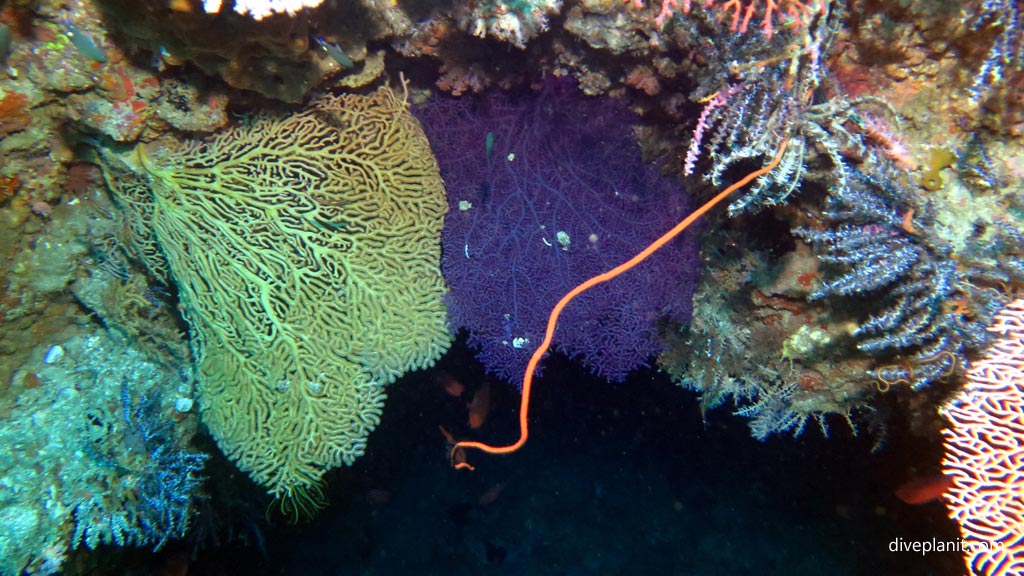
741, 12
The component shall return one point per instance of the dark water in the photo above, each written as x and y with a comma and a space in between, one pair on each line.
616, 479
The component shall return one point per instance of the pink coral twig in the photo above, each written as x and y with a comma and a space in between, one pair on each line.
743, 11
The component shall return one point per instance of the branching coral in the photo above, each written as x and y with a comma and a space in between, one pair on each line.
927, 309
750, 108
737, 348
161, 478
306, 251
984, 448
739, 14
921, 303
559, 194
95, 454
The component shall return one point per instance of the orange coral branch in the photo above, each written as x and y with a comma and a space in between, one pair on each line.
743, 11
549, 333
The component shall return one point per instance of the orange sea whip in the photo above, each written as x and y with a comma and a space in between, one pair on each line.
549, 333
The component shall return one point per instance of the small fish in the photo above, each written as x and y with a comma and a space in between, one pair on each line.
451, 386
489, 144
490, 495
924, 489
377, 496
334, 51
85, 45
480, 406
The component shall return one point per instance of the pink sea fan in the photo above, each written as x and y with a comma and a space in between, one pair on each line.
985, 453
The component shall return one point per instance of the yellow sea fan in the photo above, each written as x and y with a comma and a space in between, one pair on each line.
306, 250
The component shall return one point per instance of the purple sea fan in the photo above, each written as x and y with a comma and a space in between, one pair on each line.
545, 191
